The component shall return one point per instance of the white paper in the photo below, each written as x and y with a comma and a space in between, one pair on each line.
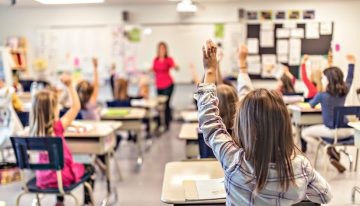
254, 64
210, 189
282, 46
325, 28
253, 45
267, 39
268, 63
283, 58
278, 71
297, 33
312, 30
290, 25
295, 52
282, 33
267, 26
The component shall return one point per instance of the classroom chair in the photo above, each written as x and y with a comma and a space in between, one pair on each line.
26, 84
294, 94
24, 118
54, 147
119, 103
340, 121
204, 150
64, 110
306, 203
354, 191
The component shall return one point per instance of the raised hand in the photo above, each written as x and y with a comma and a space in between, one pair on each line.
243, 53
209, 56
66, 80
305, 58
351, 58
95, 62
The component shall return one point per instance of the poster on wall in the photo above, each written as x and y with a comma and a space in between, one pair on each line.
252, 15
294, 14
309, 14
280, 15
219, 31
266, 15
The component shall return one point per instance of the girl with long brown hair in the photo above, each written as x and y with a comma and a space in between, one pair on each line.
265, 168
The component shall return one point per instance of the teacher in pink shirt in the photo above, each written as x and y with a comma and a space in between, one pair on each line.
162, 65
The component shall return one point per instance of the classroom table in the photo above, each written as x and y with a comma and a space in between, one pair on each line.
304, 116
189, 133
177, 172
132, 121
189, 116
100, 140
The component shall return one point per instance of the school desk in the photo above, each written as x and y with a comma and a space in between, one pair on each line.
131, 119
99, 140
189, 133
304, 115
189, 116
177, 172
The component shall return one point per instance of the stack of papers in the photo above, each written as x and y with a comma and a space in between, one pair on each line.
204, 189
78, 127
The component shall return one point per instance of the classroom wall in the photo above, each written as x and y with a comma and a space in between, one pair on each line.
25, 20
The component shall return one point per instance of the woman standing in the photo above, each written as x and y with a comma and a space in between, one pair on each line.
164, 82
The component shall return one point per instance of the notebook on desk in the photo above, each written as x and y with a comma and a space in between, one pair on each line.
196, 190
116, 112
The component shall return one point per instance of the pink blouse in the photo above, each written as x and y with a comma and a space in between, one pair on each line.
71, 173
162, 72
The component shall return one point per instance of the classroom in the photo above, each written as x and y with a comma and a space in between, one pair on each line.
179, 102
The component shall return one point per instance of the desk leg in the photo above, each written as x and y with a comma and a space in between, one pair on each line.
139, 148
298, 136
110, 190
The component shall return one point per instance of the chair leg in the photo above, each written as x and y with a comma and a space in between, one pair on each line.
77, 203
19, 197
317, 153
89, 188
326, 159
349, 157
38, 200
354, 190
356, 160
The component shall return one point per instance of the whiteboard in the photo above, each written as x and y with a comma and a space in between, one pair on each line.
185, 47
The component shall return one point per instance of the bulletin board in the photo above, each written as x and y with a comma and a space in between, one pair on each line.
319, 46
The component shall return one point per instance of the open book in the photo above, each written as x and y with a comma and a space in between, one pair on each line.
204, 189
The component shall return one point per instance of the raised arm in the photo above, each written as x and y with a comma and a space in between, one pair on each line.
310, 86
219, 78
211, 125
244, 84
350, 76
94, 95
71, 114
318, 190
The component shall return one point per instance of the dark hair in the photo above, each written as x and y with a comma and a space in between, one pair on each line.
162, 43
288, 86
273, 143
84, 90
336, 85
121, 89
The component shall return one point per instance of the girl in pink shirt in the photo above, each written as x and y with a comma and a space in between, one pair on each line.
44, 122
164, 82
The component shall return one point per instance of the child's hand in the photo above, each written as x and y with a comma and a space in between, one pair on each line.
220, 56
351, 58
243, 53
305, 58
95, 62
209, 56
66, 80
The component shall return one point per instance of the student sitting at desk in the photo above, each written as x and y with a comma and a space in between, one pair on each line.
285, 85
88, 94
45, 121
266, 169
333, 96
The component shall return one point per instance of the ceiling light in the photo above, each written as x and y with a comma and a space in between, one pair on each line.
147, 31
186, 6
70, 1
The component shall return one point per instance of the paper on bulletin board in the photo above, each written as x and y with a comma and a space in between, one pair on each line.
325, 28
268, 62
254, 64
282, 33
283, 58
289, 25
295, 52
267, 38
219, 31
253, 45
312, 30
282, 46
267, 26
297, 33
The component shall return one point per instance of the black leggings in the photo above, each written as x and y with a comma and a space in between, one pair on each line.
89, 169
167, 92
